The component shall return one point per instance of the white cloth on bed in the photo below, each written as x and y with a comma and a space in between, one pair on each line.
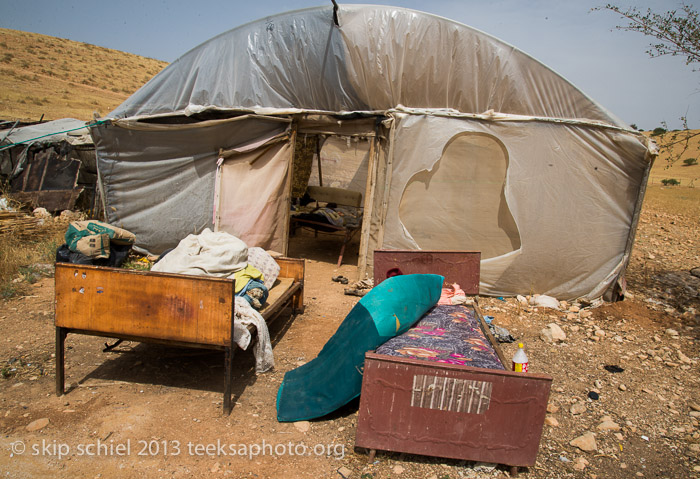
222, 254
206, 254
245, 315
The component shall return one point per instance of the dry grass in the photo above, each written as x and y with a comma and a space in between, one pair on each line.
58, 78
674, 200
665, 167
19, 256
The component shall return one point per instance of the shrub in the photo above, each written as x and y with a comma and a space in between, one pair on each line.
7, 57
690, 161
670, 182
658, 131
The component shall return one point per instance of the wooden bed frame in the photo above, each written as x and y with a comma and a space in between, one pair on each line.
504, 425
172, 309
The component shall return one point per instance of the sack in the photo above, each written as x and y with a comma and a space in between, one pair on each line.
92, 238
117, 255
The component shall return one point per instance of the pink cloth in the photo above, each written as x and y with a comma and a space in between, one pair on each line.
448, 293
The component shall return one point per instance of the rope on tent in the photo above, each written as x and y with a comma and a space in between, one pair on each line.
97, 123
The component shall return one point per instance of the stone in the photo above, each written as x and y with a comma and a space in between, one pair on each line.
344, 472
608, 426
41, 213
622, 387
303, 426
580, 464
672, 332
694, 406
216, 467
551, 421
574, 309
586, 314
552, 408
600, 333
397, 469
38, 424
585, 442
683, 358
552, 333
578, 408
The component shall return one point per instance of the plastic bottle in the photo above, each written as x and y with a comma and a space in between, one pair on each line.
520, 361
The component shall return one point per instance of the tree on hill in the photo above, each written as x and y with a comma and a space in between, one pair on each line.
675, 33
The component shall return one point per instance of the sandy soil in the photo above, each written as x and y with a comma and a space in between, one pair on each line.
147, 410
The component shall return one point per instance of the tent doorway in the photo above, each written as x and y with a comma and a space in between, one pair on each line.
329, 186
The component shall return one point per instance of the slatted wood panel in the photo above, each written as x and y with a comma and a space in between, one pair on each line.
190, 309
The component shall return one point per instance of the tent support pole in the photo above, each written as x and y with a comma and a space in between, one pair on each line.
368, 207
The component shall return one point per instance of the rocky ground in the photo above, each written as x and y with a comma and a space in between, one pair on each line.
624, 400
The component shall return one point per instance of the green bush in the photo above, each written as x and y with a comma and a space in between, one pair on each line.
658, 131
690, 161
670, 182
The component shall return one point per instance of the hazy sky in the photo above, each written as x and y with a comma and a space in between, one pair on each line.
608, 65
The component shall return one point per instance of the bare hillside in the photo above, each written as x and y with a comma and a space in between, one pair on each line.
58, 78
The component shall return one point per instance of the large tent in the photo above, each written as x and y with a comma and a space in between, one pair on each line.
457, 141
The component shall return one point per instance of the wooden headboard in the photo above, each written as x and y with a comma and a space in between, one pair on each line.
461, 267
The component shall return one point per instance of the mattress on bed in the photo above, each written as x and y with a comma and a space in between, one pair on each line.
446, 334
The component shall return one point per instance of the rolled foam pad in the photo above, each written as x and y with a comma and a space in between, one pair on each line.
334, 377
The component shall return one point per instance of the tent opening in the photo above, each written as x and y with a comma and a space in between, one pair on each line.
329, 180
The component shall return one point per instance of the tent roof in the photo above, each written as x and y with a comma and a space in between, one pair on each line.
379, 58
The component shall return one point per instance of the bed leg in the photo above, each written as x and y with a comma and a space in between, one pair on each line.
372, 455
346, 240
227, 380
61, 334
513, 471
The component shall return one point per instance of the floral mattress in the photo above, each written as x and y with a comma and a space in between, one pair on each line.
446, 334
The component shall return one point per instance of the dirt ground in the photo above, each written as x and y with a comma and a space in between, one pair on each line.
152, 411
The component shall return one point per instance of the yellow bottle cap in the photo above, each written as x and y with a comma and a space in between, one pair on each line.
521, 345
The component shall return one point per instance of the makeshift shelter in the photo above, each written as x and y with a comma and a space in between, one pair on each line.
456, 140
51, 164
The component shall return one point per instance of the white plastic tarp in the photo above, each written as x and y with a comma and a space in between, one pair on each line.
379, 58
571, 190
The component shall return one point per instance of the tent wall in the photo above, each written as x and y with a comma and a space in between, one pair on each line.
158, 179
571, 190
254, 196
